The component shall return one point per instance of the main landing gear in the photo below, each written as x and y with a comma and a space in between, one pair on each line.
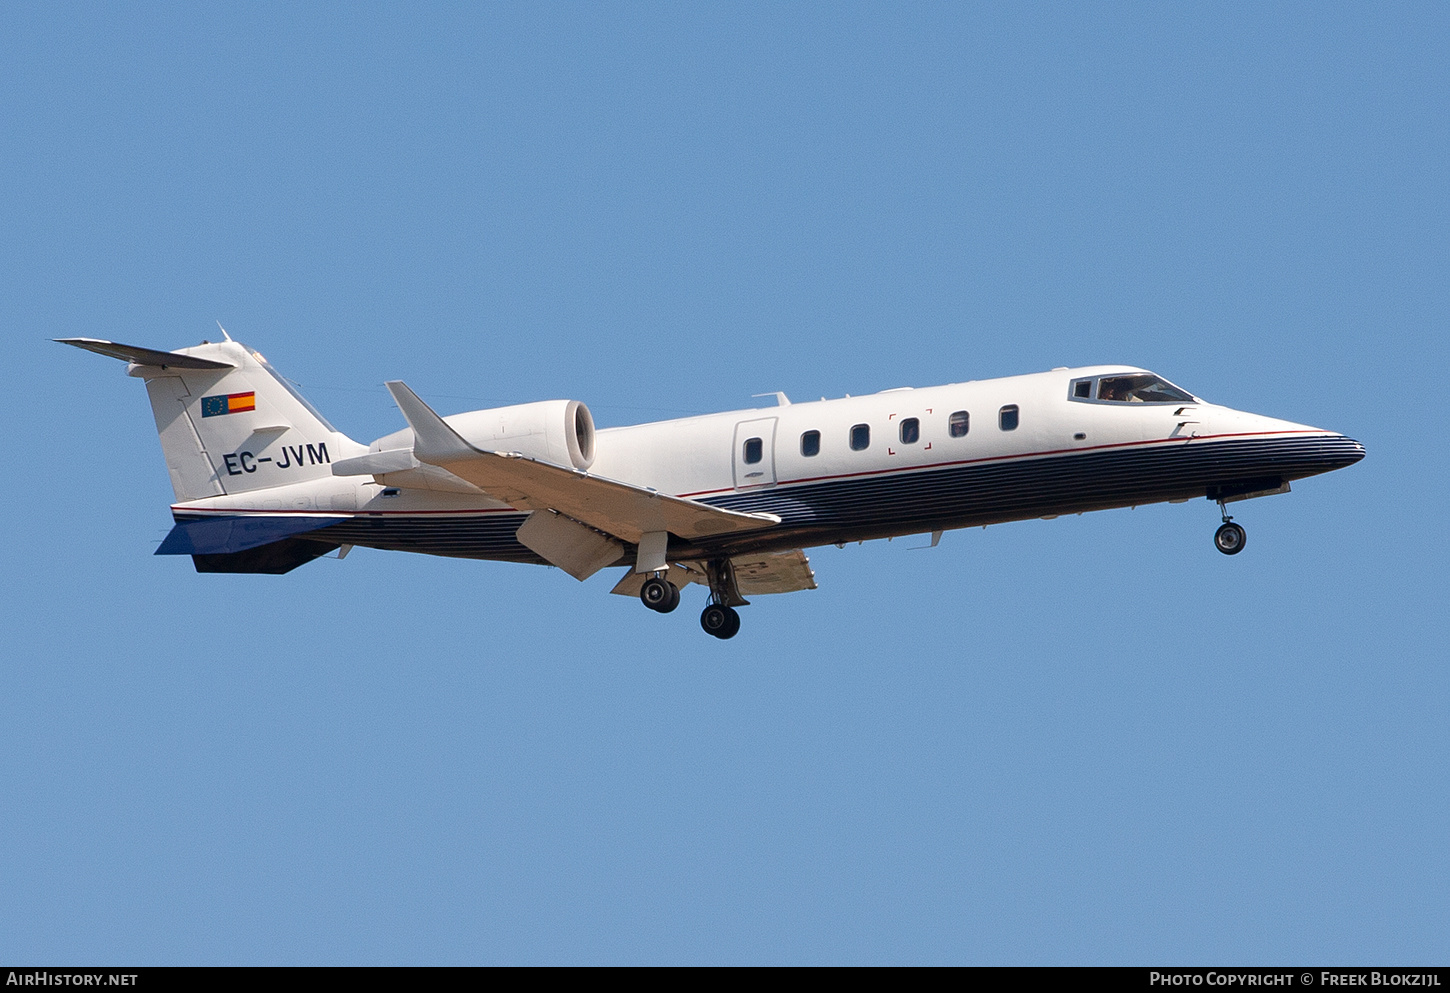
719, 618
1230, 537
659, 595
722, 622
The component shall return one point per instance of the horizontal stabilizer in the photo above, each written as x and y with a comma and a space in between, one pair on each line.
621, 510
225, 535
143, 356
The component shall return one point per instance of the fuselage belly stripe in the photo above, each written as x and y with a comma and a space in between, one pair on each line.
957, 496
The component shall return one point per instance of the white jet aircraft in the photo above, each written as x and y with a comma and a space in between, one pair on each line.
729, 501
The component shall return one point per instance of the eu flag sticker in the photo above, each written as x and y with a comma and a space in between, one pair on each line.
228, 403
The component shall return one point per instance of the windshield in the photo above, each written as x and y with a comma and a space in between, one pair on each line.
1140, 388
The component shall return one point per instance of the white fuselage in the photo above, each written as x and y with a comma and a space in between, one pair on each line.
1065, 454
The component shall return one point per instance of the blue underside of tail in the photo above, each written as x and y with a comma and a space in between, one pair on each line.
226, 535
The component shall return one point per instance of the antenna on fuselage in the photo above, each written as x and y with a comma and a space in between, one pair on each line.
223, 331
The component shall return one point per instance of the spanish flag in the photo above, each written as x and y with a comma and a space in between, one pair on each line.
228, 403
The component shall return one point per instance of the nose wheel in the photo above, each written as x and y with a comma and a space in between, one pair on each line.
659, 595
1230, 537
722, 622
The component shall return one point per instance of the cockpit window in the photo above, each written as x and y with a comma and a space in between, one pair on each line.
1141, 388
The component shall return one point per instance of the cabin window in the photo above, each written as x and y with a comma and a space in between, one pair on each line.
811, 443
753, 451
860, 437
1141, 388
958, 423
910, 431
1007, 417
1083, 389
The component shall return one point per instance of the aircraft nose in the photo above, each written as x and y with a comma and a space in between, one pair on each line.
1344, 451
1299, 456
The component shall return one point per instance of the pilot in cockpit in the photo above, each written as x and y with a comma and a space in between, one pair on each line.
1118, 389
1140, 388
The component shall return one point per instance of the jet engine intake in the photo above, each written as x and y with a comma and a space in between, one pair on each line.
557, 431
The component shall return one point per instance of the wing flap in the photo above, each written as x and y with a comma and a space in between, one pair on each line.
620, 509
578, 550
773, 572
755, 575
681, 574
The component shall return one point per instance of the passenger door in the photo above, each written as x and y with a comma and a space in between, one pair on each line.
754, 458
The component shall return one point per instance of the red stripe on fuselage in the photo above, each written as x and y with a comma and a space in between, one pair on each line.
1009, 458
347, 515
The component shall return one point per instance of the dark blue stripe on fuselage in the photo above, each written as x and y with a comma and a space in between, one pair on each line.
908, 502
481, 536
994, 492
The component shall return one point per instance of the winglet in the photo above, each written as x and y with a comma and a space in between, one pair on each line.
433, 440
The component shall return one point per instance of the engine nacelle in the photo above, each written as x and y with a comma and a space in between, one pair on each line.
557, 431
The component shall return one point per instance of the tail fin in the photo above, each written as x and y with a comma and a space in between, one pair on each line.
228, 422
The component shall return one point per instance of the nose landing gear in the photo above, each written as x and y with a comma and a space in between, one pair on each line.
1230, 537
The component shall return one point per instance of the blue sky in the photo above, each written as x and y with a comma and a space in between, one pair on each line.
1090, 740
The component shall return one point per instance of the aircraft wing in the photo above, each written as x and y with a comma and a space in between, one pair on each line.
623, 510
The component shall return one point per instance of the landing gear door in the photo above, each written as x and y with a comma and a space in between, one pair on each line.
754, 458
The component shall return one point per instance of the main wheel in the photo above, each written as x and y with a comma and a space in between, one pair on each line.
1230, 538
659, 595
722, 622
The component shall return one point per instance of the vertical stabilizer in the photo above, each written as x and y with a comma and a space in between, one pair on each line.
228, 422
192, 474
